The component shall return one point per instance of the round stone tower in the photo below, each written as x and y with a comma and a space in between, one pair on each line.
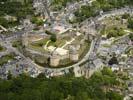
54, 59
73, 53
25, 39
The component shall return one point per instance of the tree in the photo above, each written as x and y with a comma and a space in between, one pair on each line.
48, 32
53, 38
37, 21
60, 88
125, 16
56, 95
113, 60
130, 23
81, 96
114, 96
131, 36
3, 22
107, 71
41, 76
9, 76
1, 48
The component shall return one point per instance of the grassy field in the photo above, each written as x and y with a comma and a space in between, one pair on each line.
39, 45
58, 43
85, 48
36, 48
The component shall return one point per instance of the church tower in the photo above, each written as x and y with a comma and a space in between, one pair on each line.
73, 53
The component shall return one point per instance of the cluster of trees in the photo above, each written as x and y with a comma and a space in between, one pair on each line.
58, 4
61, 88
98, 5
17, 44
130, 23
130, 26
115, 32
6, 58
7, 23
1, 48
113, 60
13, 8
131, 36
37, 21
125, 16
53, 38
